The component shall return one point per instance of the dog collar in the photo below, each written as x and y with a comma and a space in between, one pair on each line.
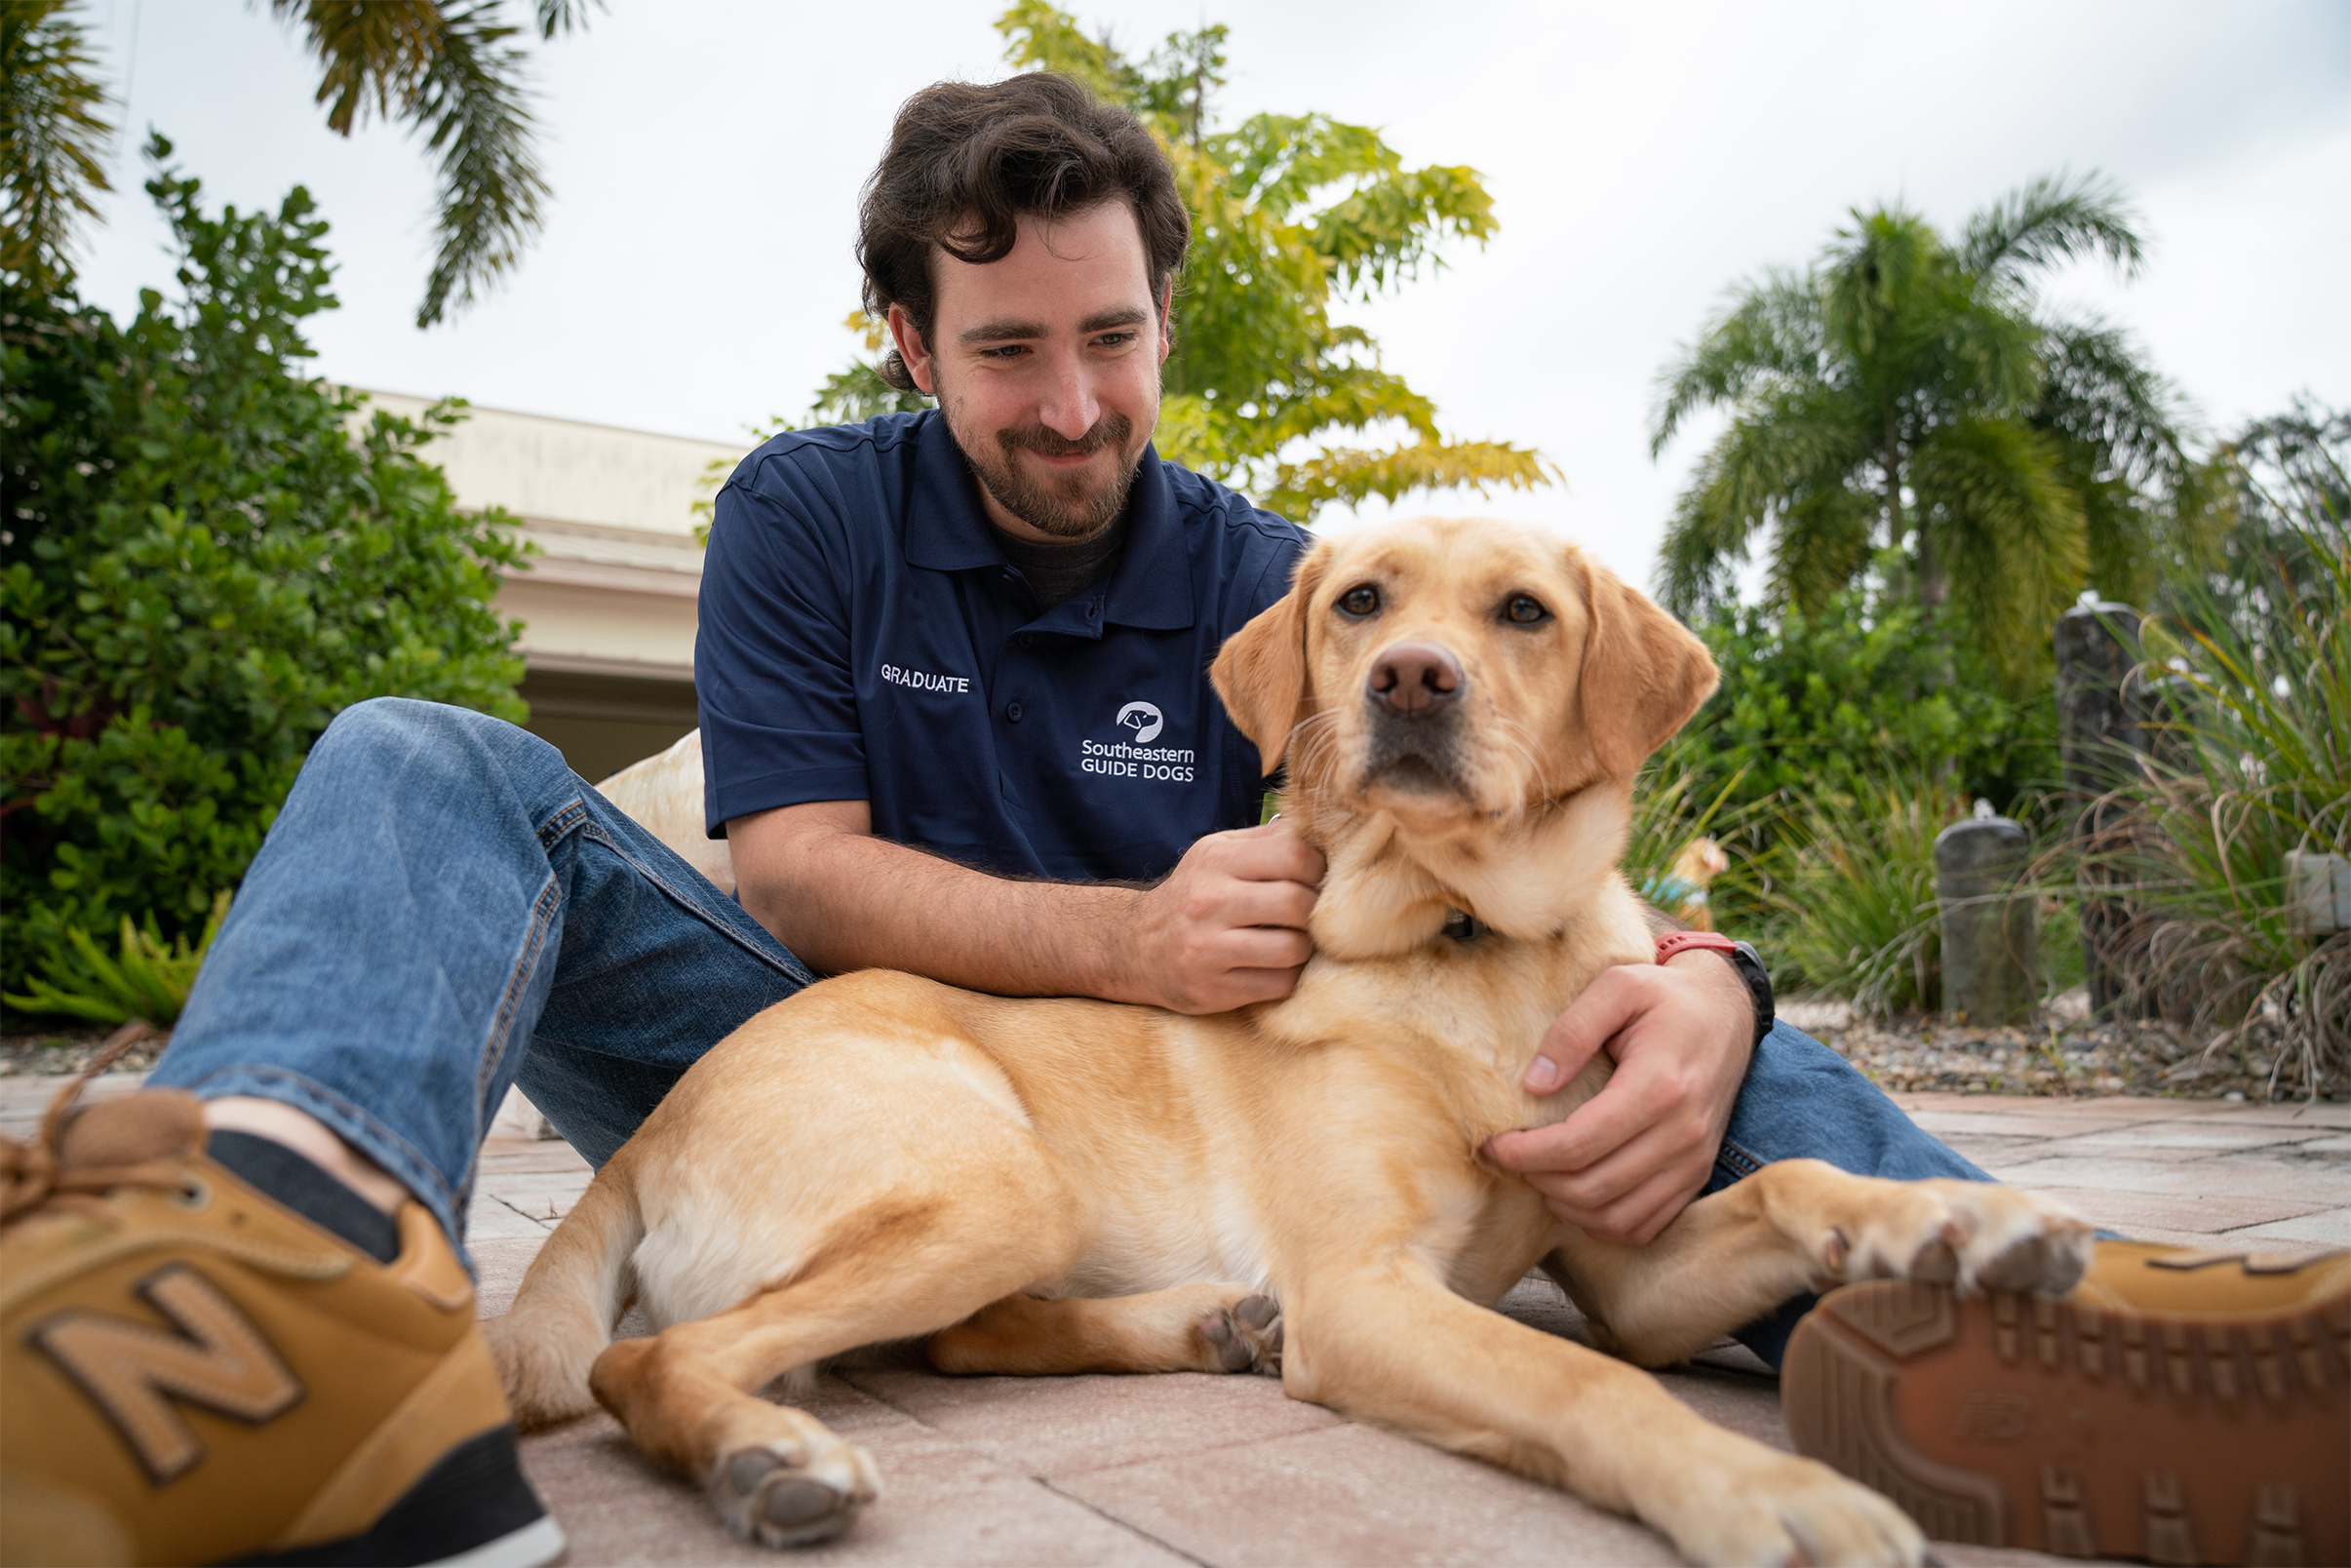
1464, 926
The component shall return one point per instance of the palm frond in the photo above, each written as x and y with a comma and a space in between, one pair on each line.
1788, 445
565, 16
2009, 528
55, 136
374, 54
1771, 332
489, 188
2053, 219
1824, 544
1876, 277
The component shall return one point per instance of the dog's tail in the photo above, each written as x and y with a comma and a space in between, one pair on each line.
563, 1318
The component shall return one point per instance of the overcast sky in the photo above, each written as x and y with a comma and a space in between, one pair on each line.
706, 157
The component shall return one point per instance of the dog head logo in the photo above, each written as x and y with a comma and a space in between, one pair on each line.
1143, 719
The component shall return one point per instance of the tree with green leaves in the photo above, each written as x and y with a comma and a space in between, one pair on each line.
445, 68
55, 131
1290, 214
1906, 404
208, 555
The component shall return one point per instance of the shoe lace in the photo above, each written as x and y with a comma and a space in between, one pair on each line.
33, 1178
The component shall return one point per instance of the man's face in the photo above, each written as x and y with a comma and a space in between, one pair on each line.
1047, 364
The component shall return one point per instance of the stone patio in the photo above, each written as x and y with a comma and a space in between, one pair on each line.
1225, 1471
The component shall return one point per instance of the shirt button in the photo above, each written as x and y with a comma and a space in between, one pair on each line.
1024, 640
1013, 712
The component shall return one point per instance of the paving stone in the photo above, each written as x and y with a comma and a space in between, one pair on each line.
2331, 1228
1355, 1494
2135, 1214
2333, 1144
2238, 1177
499, 1269
942, 1501
1055, 1427
2206, 1240
2037, 1124
2203, 1135
490, 1219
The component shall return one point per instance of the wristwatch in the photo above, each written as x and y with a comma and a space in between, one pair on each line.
1741, 956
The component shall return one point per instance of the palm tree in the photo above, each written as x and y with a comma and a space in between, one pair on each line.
442, 66
1901, 408
55, 139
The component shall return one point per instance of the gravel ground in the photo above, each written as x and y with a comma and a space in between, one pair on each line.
2063, 1055
69, 1050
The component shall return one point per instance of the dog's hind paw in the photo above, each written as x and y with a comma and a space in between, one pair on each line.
782, 1495
1245, 1337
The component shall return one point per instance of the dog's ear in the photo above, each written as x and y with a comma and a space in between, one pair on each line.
1261, 673
1644, 672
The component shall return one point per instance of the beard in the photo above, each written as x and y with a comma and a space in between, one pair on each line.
1068, 506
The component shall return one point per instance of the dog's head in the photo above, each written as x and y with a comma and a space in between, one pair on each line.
1460, 678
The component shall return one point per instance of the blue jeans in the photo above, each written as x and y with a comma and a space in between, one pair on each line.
444, 908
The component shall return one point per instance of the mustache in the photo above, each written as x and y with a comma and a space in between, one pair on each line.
1111, 430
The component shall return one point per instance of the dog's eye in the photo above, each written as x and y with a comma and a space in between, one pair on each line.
1360, 600
1524, 611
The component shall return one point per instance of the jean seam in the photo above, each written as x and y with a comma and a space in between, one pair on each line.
542, 919
790, 968
563, 822
1739, 1160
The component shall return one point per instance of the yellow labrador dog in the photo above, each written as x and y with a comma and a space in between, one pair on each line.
1071, 1186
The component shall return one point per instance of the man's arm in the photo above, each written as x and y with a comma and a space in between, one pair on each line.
1225, 928
1634, 1155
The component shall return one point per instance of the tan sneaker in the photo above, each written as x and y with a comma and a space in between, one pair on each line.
2184, 1407
191, 1373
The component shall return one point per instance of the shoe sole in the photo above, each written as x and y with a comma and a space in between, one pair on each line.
2019, 1421
471, 1509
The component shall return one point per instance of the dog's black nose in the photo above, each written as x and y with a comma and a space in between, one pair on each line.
1415, 679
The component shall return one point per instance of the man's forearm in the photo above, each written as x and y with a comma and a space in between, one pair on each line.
846, 900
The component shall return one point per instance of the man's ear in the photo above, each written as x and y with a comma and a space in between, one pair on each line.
1644, 672
911, 350
1261, 673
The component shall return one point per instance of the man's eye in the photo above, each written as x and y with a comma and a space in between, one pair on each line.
1524, 611
1008, 351
1115, 339
1360, 600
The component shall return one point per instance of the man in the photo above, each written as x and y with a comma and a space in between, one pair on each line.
956, 723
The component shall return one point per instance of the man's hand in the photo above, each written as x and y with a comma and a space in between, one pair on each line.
1633, 1156
1228, 925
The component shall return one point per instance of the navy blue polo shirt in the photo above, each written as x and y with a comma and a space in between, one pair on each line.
863, 638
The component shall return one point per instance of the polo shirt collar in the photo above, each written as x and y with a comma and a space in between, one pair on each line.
946, 531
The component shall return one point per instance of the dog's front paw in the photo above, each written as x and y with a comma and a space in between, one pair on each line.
1245, 1337
1776, 1509
787, 1494
1973, 1235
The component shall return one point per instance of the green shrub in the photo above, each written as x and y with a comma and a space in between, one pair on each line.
208, 556
1817, 705
1855, 913
2253, 760
147, 978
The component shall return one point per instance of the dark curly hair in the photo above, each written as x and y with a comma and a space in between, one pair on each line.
967, 163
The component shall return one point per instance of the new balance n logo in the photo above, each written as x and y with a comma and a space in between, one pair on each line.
218, 1360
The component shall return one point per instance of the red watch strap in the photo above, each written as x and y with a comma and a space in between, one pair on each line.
1675, 942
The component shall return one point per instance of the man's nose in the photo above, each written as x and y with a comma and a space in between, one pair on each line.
1415, 679
1069, 407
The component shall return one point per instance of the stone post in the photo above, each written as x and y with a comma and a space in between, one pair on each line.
1989, 924
2098, 738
